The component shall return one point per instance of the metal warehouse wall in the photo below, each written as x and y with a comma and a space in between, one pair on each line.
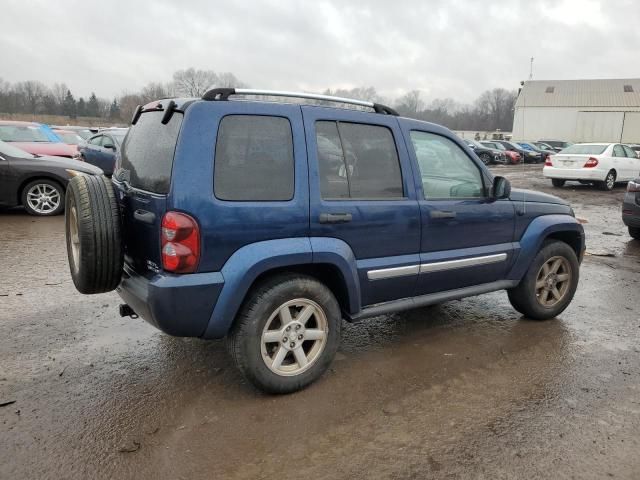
577, 124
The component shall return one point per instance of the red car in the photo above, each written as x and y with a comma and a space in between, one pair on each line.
35, 138
512, 157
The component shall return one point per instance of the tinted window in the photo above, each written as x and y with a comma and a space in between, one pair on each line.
357, 161
148, 149
333, 173
254, 159
446, 171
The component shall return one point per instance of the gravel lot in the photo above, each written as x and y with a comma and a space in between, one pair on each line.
467, 389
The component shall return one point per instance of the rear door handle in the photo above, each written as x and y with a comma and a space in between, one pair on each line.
335, 217
442, 214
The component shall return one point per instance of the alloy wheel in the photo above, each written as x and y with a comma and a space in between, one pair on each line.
43, 198
553, 281
294, 337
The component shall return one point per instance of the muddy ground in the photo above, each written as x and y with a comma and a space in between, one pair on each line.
467, 389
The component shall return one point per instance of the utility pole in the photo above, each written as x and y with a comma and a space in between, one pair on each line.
531, 69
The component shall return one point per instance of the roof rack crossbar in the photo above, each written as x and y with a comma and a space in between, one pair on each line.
225, 93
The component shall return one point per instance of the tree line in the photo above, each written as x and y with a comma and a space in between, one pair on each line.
492, 110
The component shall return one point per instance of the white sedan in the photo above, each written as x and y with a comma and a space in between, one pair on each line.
601, 163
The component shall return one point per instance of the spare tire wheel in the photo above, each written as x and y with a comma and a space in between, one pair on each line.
92, 224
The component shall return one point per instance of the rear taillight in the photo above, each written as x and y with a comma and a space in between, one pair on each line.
592, 162
633, 187
180, 243
547, 162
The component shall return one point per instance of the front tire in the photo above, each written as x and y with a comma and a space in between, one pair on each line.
635, 232
549, 284
486, 158
557, 182
286, 334
43, 198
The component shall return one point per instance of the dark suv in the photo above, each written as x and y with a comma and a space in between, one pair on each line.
268, 223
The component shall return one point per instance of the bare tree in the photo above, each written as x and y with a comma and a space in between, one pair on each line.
228, 80
156, 91
194, 83
32, 93
59, 92
411, 103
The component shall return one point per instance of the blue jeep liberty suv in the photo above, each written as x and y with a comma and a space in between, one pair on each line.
269, 223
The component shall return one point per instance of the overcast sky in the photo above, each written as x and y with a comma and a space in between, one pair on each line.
444, 48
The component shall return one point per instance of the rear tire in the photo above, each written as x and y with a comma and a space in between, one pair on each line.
269, 337
92, 224
529, 297
609, 181
557, 182
635, 232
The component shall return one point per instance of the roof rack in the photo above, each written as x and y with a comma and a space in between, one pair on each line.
224, 94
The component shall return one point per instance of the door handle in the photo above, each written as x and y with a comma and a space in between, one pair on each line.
335, 217
442, 214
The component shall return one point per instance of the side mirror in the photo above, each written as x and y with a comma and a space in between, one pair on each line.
501, 188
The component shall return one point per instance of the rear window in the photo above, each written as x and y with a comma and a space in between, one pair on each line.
581, 149
254, 159
148, 150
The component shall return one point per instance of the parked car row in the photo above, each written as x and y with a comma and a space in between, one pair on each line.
37, 182
37, 161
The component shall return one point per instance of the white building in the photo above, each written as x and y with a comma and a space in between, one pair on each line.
579, 111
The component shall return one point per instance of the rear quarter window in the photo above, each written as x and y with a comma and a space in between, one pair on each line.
148, 151
254, 159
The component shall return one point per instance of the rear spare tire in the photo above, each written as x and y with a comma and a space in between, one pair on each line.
92, 225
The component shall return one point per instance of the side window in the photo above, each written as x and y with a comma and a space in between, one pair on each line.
333, 172
96, 140
618, 151
628, 152
357, 161
445, 169
106, 140
254, 159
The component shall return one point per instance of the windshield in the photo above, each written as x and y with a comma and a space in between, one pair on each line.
22, 133
11, 151
585, 149
526, 146
497, 146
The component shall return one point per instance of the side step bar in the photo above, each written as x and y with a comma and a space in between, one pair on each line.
429, 299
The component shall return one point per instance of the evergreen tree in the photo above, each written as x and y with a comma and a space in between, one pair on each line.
114, 110
69, 107
81, 107
93, 108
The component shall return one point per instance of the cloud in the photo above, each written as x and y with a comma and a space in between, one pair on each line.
451, 49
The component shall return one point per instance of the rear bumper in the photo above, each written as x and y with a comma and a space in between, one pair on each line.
591, 174
180, 305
